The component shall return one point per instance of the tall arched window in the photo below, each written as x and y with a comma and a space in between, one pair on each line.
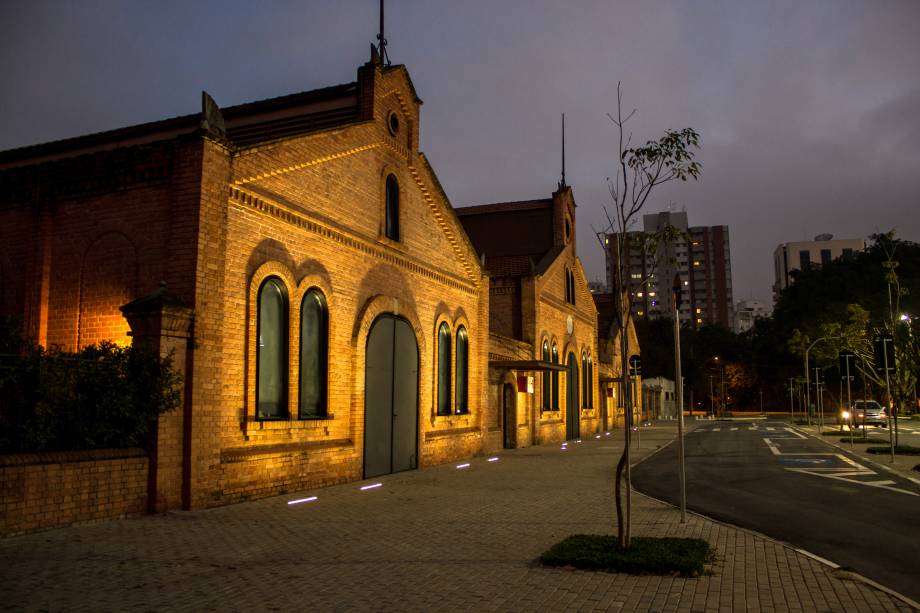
590, 379
443, 369
584, 378
314, 355
392, 208
461, 376
547, 381
272, 351
555, 379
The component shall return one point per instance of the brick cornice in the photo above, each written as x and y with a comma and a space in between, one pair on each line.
262, 204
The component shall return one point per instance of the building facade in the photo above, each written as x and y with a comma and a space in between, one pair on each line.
543, 349
299, 259
802, 255
699, 255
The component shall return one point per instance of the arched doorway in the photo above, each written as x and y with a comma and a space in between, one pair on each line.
509, 416
572, 429
390, 398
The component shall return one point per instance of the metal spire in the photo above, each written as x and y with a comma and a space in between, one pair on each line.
562, 182
382, 46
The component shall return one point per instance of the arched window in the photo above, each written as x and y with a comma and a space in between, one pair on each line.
443, 370
590, 383
272, 351
584, 378
547, 381
392, 208
555, 379
314, 355
461, 376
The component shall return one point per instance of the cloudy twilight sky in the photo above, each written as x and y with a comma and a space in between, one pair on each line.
809, 111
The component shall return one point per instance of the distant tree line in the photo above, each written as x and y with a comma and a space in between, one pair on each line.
848, 302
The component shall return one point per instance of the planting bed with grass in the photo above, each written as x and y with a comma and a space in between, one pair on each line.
685, 557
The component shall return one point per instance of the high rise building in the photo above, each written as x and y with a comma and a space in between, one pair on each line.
804, 254
699, 255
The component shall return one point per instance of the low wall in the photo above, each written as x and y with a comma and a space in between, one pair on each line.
47, 490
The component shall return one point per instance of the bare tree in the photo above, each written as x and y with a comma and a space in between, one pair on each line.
639, 171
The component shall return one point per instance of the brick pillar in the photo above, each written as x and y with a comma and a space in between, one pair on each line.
161, 322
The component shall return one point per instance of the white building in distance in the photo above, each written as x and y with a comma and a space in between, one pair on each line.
805, 254
746, 311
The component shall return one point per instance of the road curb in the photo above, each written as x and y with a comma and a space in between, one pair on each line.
835, 568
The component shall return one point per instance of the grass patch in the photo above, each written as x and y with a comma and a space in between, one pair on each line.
898, 450
686, 557
859, 440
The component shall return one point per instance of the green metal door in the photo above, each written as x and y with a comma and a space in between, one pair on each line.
390, 398
571, 399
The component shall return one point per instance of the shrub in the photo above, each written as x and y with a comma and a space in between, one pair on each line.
102, 396
898, 450
686, 557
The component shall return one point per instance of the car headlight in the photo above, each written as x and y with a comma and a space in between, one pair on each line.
846, 415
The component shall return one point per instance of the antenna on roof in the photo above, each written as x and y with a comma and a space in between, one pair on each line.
382, 47
562, 181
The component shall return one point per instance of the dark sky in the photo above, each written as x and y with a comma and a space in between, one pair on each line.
809, 111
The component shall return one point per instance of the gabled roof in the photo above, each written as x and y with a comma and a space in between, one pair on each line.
514, 238
337, 106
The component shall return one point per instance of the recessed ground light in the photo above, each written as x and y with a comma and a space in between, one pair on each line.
371, 486
467, 465
310, 499
492, 460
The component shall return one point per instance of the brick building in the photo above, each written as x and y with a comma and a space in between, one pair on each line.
298, 256
544, 371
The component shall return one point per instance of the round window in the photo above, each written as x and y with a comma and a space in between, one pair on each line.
393, 123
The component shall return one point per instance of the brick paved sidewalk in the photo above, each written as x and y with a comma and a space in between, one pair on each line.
437, 539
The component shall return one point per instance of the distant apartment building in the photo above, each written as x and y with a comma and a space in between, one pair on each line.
747, 311
700, 257
805, 254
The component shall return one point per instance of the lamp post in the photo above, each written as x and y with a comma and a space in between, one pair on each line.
807, 382
712, 408
679, 382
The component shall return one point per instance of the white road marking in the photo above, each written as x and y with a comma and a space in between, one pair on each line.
752, 428
733, 429
841, 473
769, 428
796, 433
716, 429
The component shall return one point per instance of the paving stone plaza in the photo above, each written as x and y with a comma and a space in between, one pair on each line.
438, 539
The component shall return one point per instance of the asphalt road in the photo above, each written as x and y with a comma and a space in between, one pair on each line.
766, 477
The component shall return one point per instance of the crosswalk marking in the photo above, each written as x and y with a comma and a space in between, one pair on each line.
716, 429
769, 428
733, 429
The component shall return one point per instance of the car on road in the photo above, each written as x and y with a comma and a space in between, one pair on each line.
868, 412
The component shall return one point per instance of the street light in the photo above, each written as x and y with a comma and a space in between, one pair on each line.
808, 382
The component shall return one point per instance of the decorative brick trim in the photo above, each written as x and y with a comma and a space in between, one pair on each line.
361, 244
69, 457
433, 434
314, 162
244, 454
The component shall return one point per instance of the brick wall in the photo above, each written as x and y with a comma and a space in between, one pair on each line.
47, 490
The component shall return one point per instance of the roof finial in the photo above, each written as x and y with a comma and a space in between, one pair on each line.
562, 181
382, 46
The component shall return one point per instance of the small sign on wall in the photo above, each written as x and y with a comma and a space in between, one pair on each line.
525, 384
